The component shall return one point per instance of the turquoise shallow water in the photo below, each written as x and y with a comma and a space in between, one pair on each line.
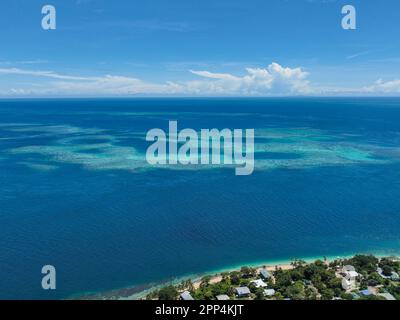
76, 191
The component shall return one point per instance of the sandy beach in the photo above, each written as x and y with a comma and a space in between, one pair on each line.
218, 277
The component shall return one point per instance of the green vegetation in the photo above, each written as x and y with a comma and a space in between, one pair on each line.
207, 291
318, 280
168, 293
308, 282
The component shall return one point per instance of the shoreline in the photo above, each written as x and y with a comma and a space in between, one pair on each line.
139, 292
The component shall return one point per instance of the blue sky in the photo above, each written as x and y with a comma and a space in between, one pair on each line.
199, 48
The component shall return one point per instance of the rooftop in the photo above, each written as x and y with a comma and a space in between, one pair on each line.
348, 268
393, 276
387, 296
259, 283
269, 292
352, 274
186, 296
265, 273
242, 291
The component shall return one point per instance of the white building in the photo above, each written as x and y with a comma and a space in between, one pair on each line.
349, 281
259, 283
269, 292
348, 284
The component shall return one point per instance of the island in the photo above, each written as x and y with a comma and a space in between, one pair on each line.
361, 277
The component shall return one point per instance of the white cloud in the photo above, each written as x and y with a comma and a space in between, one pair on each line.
274, 80
220, 76
358, 54
384, 87
48, 74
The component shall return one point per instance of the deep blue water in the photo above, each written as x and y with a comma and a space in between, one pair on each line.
329, 186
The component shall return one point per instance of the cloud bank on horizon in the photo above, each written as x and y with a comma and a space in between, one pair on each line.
274, 80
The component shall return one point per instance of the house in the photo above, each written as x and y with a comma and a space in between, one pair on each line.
380, 272
269, 292
394, 276
242, 292
387, 296
349, 272
348, 284
352, 275
264, 273
259, 283
222, 297
348, 268
186, 296
349, 277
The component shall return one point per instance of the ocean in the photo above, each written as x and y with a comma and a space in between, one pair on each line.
77, 193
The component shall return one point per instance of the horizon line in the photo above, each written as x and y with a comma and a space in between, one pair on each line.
199, 97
